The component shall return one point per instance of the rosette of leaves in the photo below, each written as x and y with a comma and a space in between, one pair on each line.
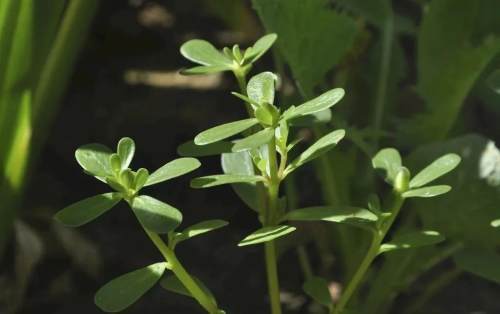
212, 60
155, 216
379, 221
264, 154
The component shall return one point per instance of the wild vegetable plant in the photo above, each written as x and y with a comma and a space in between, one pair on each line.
154, 216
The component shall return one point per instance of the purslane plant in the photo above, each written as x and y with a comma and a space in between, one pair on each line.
155, 217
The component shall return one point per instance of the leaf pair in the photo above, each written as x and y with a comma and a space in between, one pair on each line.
389, 160
213, 60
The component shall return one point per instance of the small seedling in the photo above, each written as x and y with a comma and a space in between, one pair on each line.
155, 217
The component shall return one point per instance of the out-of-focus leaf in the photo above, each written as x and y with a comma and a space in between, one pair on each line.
317, 288
266, 234
411, 241
87, 209
221, 179
301, 27
121, 292
494, 81
457, 39
389, 160
173, 169
480, 262
155, 215
190, 149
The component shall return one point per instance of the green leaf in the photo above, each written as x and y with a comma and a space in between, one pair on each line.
210, 69
389, 160
121, 292
318, 104
173, 169
241, 163
495, 223
155, 215
493, 81
438, 168
126, 151
428, 191
115, 163
200, 228
224, 131
141, 177
127, 178
87, 209
190, 149
204, 53
173, 284
339, 214
266, 234
94, 158
261, 87
254, 141
411, 241
220, 179
321, 146
317, 288
260, 47
480, 262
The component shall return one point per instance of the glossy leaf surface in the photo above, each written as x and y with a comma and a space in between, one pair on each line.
87, 209
173, 169
224, 131
411, 241
266, 234
155, 215
436, 169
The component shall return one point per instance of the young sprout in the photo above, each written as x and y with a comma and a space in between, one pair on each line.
154, 216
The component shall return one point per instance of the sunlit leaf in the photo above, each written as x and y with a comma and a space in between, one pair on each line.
254, 141
317, 288
141, 177
389, 160
204, 53
87, 209
266, 234
428, 191
339, 214
125, 290
126, 151
260, 47
411, 241
321, 146
317, 104
155, 215
436, 169
173, 169
220, 179
94, 158
260, 88
200, 228
224, 131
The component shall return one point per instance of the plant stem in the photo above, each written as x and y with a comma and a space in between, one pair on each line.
272, 277
372, 253
241, 77
180, 272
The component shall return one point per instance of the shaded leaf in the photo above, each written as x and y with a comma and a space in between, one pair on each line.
436, 169
389, 160
210, 69
87, 209
317, 288
254, 141
260, 88
411, 241
224, 131
204, 53
266, 234
428, 191
173, 284
220, 179
200, 228
190, 149
126, 151
480, 262
173, 169
494, 81
321, 146
94, 158
125, 290
155, 215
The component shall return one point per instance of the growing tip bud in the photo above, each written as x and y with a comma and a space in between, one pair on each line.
402, 180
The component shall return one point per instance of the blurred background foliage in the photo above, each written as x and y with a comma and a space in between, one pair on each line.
422, 76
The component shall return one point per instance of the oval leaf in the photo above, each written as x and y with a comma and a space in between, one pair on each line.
200, 228
224, 131
480, 262
260, 47
266, 234
388, 160
173, 169
190, 149
126, 151
220, 179
317, 288
436, 169
140, 179
87, 210
339, 214
204, 53
155, 215
320, 103
254, 141
321, 146
173, 284
120, 293
411, 241
428, 191
94, 158
260, 88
